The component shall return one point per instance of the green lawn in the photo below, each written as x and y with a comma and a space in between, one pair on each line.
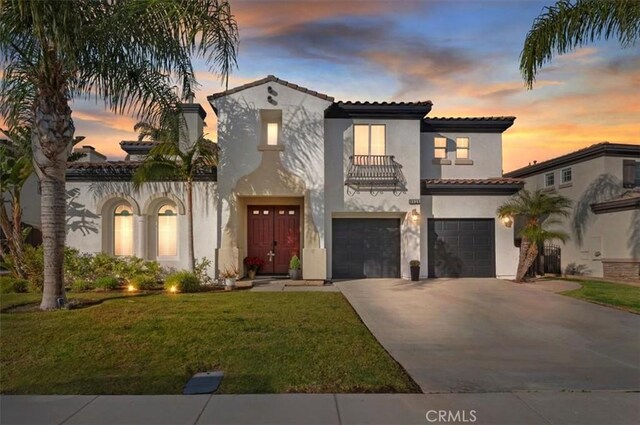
264, 343
626, 297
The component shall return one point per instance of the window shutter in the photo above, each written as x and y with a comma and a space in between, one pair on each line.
628, 173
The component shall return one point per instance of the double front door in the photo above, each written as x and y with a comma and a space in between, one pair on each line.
273, 234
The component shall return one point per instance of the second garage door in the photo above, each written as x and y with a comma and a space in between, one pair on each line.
461, 248
365, 248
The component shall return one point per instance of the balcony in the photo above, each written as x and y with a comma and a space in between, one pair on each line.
375, 174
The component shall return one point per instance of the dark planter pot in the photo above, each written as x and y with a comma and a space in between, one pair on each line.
415, 273
295, 274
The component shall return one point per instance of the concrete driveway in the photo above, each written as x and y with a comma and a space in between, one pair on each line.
488, 335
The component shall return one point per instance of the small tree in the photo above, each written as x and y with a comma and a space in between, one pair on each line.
169, 160
128, 53
567, 25
540, 211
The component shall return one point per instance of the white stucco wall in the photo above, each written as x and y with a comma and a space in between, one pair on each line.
506, 253
403, 142
89, 214
295, 168
485, 150
606, 235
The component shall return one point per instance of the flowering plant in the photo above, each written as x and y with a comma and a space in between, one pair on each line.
253, 263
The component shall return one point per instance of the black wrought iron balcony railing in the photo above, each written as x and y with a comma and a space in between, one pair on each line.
374, 173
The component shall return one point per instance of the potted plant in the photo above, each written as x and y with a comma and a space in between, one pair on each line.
414, 265
294, 268
253, 264
229, 275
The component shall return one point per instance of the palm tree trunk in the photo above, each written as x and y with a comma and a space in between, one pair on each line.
528, 254
191, 253
52, 140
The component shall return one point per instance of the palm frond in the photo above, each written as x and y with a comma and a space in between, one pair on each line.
567, 25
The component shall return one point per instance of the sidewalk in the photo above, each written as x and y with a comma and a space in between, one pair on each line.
584, 408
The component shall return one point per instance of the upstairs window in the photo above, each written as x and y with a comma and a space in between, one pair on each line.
271, 127
272, 133
566, 175
462, 148
369, 139
440, 148
167, 231
637, 179
549, 180
123, 230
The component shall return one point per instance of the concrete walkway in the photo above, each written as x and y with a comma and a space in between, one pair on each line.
489, 335
611, 408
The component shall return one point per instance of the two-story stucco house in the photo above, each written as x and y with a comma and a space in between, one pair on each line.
356, 189
603, 181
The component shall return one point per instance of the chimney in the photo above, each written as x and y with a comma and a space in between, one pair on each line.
90, 154
194, 116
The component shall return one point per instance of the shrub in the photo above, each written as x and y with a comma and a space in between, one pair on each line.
34, 267
200, 270
294, 264
10, 285
107, 283
143, 281
82, 285
574, 269
183, 281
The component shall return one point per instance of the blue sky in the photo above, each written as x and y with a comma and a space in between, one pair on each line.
462, 55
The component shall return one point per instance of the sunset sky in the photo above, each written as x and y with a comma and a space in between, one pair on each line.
463, 56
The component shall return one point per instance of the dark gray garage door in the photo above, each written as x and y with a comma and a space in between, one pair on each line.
365, 248
461, 248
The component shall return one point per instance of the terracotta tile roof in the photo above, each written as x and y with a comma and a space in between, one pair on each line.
499, 118
584, 154
489, 181
136, 143
269, 79
367, 103
104, 165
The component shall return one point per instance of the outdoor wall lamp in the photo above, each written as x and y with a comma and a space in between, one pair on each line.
507, 221
415, 215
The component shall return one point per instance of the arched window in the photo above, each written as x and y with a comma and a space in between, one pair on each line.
167, 231
123, 230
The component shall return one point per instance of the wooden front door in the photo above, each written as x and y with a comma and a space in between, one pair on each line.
273, 234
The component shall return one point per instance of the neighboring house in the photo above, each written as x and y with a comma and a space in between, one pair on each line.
603, 181
356, 189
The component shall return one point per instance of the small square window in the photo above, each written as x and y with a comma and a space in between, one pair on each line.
440, 147
272, 133
566, 175
256, 212
292, 212
462, 148
265, 212
549, 179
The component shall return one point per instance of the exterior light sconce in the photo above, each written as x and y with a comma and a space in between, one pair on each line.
507, 221
131, 288
415, 215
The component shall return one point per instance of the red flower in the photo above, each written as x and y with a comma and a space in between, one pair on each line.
253, 262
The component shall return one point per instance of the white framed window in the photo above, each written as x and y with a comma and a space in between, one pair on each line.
167, 231
272, 133
440, 147
369, 139
123, 230
566, 175
549, 179
462, 148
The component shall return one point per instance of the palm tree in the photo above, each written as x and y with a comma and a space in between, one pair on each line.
567, 25
175, 158
127, 53
540, 211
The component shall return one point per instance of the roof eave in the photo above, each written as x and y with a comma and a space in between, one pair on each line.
466, 126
